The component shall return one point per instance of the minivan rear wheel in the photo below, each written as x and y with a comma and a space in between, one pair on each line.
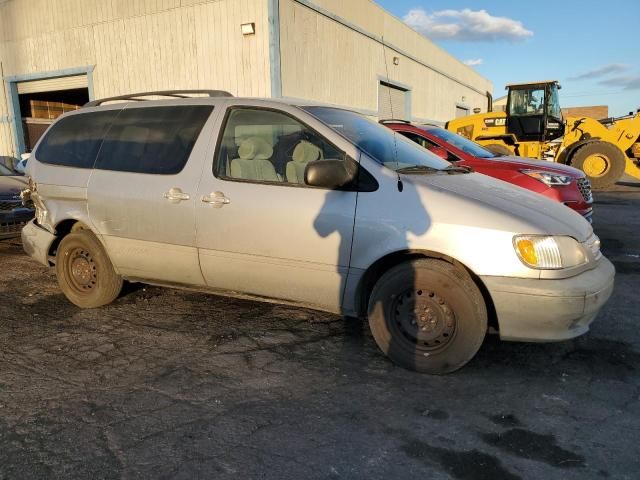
85, 274
427, 315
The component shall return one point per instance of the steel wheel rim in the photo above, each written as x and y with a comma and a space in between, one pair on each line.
424, 319
81, 270
596, 165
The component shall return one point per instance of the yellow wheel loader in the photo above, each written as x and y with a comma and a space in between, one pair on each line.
532, 126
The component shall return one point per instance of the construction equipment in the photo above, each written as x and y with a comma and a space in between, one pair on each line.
532, 126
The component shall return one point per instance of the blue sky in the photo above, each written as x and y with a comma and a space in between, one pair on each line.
592, 47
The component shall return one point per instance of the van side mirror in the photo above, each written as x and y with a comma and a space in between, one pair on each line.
331, 174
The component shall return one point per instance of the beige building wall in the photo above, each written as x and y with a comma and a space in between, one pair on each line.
137, 45
339, 51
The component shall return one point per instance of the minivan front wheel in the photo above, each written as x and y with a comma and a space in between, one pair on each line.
85, 273
427, 315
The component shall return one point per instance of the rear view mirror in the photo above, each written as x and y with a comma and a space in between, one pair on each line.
328, 174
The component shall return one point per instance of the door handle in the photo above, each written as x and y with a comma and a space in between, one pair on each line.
175, 195
216, 199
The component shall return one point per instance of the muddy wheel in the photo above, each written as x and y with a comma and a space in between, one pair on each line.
498, 149
602, 162
85, 273
428, 316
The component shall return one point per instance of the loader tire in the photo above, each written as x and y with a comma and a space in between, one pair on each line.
602, 162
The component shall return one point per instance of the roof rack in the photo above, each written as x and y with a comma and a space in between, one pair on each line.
394, 120
139, 97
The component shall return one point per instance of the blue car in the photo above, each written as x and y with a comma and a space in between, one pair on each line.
13, 214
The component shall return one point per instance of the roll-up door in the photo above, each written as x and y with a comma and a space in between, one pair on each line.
391, 102
461, 111
53, 84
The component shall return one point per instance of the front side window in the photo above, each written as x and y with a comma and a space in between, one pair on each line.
526, 101
462, 143
267, 146
429, 145
387, 147
153, 140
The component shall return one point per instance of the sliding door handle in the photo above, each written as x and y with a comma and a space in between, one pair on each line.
175, 195
216, 199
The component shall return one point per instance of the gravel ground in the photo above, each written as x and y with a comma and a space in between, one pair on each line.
173, 384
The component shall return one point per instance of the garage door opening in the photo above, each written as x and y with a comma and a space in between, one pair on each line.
461, 111
42, 101
392, 102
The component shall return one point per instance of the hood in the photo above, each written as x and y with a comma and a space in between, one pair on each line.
521, 163
512, 208
12, 185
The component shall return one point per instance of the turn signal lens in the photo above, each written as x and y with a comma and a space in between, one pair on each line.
527, 251
549, 253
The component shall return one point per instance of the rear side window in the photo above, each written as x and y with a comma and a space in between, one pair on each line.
74, 141
156, 140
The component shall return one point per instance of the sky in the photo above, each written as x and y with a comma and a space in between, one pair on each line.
592, 47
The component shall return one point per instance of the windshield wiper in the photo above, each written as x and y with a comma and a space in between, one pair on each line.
419, 169
454, 169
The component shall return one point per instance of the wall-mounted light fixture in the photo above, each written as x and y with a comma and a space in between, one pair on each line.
464, 99
477, 110
248, 28
396, 60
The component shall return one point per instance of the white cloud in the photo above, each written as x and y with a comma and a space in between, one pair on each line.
602, 71
466, 25
626, 82
472, 62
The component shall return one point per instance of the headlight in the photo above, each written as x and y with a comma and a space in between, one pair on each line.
549, 253
550, 179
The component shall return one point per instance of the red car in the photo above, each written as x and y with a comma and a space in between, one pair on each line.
554, 180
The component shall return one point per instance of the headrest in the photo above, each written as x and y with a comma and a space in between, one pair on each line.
255, 148
306, 152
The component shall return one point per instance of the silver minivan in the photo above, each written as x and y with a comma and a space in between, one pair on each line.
311, 205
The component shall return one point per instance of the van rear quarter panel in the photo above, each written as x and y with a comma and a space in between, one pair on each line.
62, 191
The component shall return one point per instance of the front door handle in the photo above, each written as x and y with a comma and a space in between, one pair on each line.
216, 199
175, 195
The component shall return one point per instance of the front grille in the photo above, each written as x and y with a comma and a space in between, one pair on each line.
7, 228
584, 186
10, 205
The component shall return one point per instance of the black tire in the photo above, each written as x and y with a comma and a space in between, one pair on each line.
611, 155
453, 326
498, 149
85, 273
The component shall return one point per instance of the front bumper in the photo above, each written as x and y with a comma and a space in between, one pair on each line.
532, 310
37, 242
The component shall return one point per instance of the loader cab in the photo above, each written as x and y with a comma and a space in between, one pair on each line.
533, 111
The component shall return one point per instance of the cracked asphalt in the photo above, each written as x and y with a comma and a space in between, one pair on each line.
174, 384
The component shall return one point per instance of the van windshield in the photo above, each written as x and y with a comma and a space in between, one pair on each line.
387, 147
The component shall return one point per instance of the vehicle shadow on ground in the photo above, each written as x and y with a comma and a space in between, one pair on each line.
11, 247
586, 356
